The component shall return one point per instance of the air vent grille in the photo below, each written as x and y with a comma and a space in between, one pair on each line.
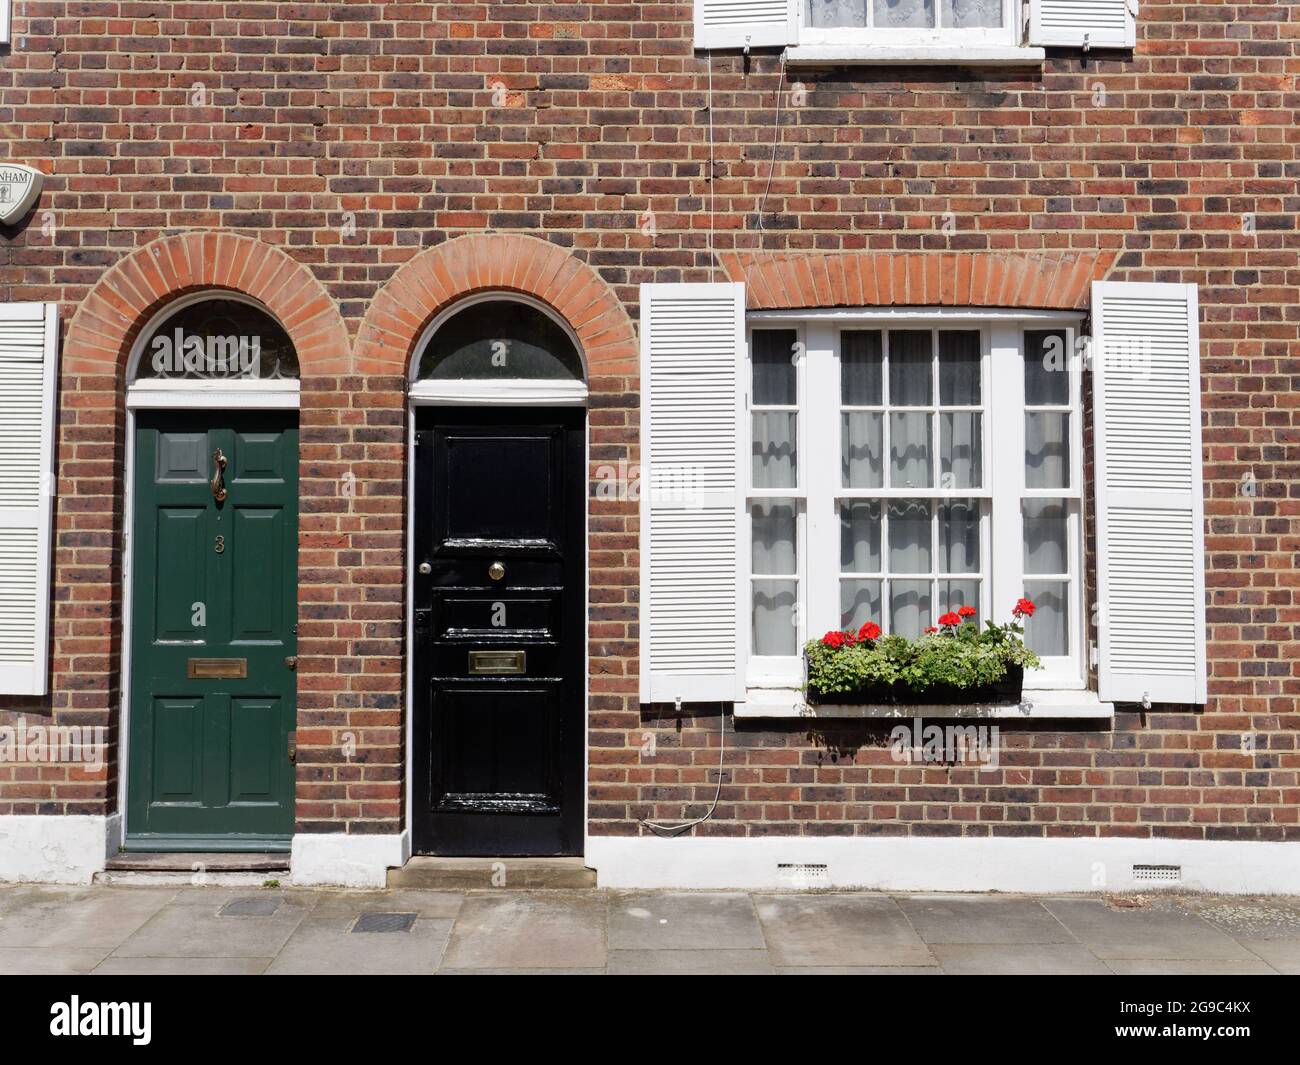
1150, 873
803, 874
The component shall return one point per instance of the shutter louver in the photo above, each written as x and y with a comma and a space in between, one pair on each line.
1083, 23
744, 23
28, 367
692, 344
1150, 537
6, 14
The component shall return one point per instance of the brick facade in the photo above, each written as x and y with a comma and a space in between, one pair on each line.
326, 156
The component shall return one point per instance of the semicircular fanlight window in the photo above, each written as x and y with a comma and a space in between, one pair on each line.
500, 340
218, 340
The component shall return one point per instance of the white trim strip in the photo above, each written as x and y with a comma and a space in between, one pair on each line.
206, 395
916, 864
513, 392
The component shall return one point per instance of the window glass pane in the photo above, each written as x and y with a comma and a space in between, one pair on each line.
1046, 536
1047, 369
775, 461
959, 536
500, 339
911, 463
1047, 450
859, 603
910, 548
1046, 632
959, 368
774, 617
910, 608
863, 446
911, 373
904, 14
972, 14
218, 340
860, 369
954, 594
775, 536
837, 13
961, 449
860, 536
775, 371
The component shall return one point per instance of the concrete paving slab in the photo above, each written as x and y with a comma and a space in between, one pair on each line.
859, 970
80, 918
712, 962
443, 904
981, 919
839, 930
1160, 931
329, 946
191, 927
46, 961
508, 930
683, 921
1282, 954
521, 972
111, 966
1031, 959
1179, 967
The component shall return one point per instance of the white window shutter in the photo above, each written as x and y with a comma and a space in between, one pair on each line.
6, 13
692, 348
745, 23
1083, 23
29, 335
1150, 510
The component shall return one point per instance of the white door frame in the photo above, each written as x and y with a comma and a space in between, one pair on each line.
513, 392
173, 394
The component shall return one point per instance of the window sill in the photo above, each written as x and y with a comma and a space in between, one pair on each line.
1035, 704
913, 55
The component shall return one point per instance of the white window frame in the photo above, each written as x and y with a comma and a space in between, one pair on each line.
1002, 556
1009, 34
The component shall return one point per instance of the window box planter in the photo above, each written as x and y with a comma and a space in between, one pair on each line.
1006, 690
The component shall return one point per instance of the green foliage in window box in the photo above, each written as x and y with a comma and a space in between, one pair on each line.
957, 661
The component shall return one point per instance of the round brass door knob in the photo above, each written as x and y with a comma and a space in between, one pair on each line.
496, 571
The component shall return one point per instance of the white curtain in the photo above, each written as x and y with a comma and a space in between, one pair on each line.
959, 536
959, 368
910, 609
911, 463
969, 14
961, 448
909, 536
860, 536
1047, 450
862, 441
911, 368
859, 603
775, 551
1046, 632
775, 458
1046, 536
953, 594
904, 14
837, 12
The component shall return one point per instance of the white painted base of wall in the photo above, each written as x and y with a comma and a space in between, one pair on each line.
36, 849
1013, 865
336, 858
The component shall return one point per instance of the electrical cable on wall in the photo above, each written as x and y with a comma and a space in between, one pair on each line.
776, 141
677, 830
713, 258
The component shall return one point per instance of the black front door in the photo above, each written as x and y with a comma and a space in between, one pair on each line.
499, 590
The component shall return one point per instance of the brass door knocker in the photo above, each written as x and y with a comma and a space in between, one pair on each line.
218, 482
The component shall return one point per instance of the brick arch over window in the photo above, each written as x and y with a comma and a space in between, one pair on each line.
101, 333
440, 275
1049, 281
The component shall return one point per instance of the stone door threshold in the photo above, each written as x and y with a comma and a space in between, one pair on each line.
177, 862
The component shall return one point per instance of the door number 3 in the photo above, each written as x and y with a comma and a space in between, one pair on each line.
220, 545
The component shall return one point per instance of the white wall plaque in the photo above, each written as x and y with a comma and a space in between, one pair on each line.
19, 187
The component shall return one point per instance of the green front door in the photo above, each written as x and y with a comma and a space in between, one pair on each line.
213, 620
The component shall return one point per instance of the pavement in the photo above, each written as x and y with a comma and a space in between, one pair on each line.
268, 929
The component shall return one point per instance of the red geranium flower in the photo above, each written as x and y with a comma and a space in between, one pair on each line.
1024, 608
834, 640
869, 631
931, 629
967, 611
949, 619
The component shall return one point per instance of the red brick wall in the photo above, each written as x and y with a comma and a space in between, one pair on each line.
351, 135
